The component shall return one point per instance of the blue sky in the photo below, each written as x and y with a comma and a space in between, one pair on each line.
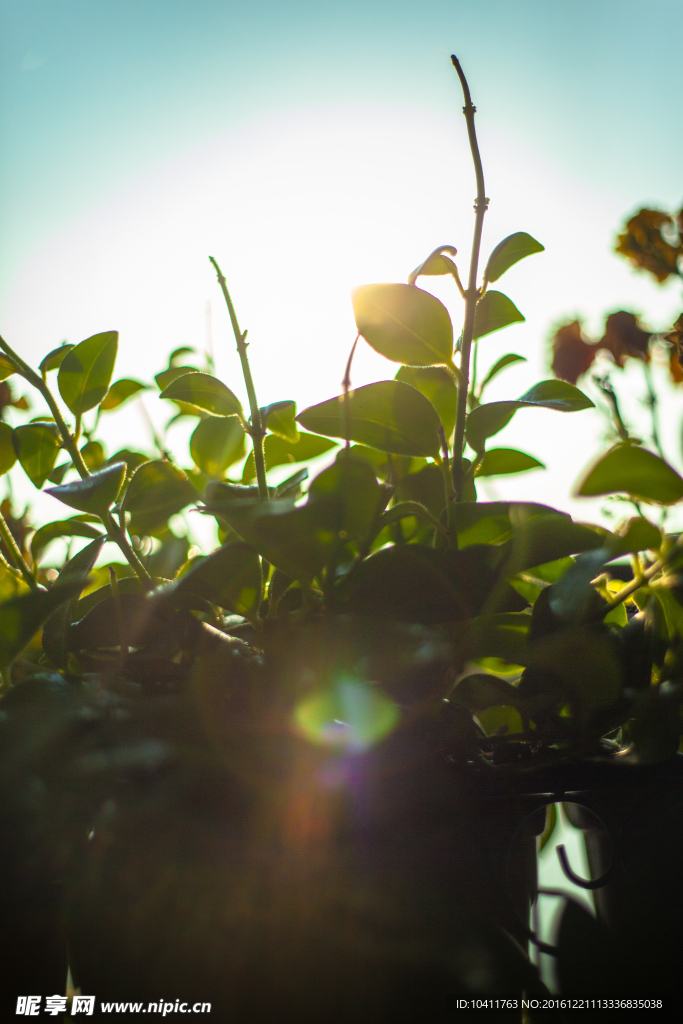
314, 146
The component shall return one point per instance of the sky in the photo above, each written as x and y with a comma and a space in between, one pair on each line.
312, 147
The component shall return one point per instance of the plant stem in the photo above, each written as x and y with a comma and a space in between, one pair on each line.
257, 431
40, 385
118, 535
115, 533
472, 294
13, 548
652, 402
346, 385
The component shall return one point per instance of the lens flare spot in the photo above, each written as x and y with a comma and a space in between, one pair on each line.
348, 715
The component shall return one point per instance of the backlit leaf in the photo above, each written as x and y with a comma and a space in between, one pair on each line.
390, 416
120, 392
22, 617
630, 469
639, 534
96, 493
493, 312
61, 528
86, 371
6, 368
8, 456
216, 444
404, 324
436, 265
156, 491
508, 252
229, 577
167, 377
74, 575
53, 360
93, 455
279, 452
547, 538
37, 446
486, 420
437, 385
204, 392
280, 418
499, 461
353, 482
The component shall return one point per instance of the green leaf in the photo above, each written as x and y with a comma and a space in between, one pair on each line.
75, 575
437, 385
184, 350
510, 251
639, 534
629, 469
86, 371
280, 419
499, 365
500, 720
61, 528
93, 455
22, 617
486, 420
53, 360
404, 324
493, 312
547, 538
298, 541
157, 490
499, 461
120, 392
279, 452
353, 482
202, 391
390, 416
426, 487
435, 265
97, 493
229, 577
477, 692
8, 456
167, 377
216, 444
132, 459
37, 446
6, 368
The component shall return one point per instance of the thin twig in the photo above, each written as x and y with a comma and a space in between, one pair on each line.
346, 385
472, 294
15, 553
257, 430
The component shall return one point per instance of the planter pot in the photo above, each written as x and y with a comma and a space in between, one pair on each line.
640, 834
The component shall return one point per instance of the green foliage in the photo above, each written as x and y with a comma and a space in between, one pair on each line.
75, 527
279, 452
486, 420
632, 470
86, 370
8, 455
71, 580
120, 392
437, 385
280, 418
508, 252
390, 416
216, 444
36, 446
494, 311
230, 578
96, 493
204, 392
404, 323
156, 491
500, 461
53, 360
21, 617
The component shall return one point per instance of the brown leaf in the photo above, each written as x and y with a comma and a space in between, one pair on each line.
675, 339
643, 244
572, 354
624, 337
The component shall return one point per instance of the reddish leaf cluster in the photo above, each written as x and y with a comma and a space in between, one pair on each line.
573, 354
644, 245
